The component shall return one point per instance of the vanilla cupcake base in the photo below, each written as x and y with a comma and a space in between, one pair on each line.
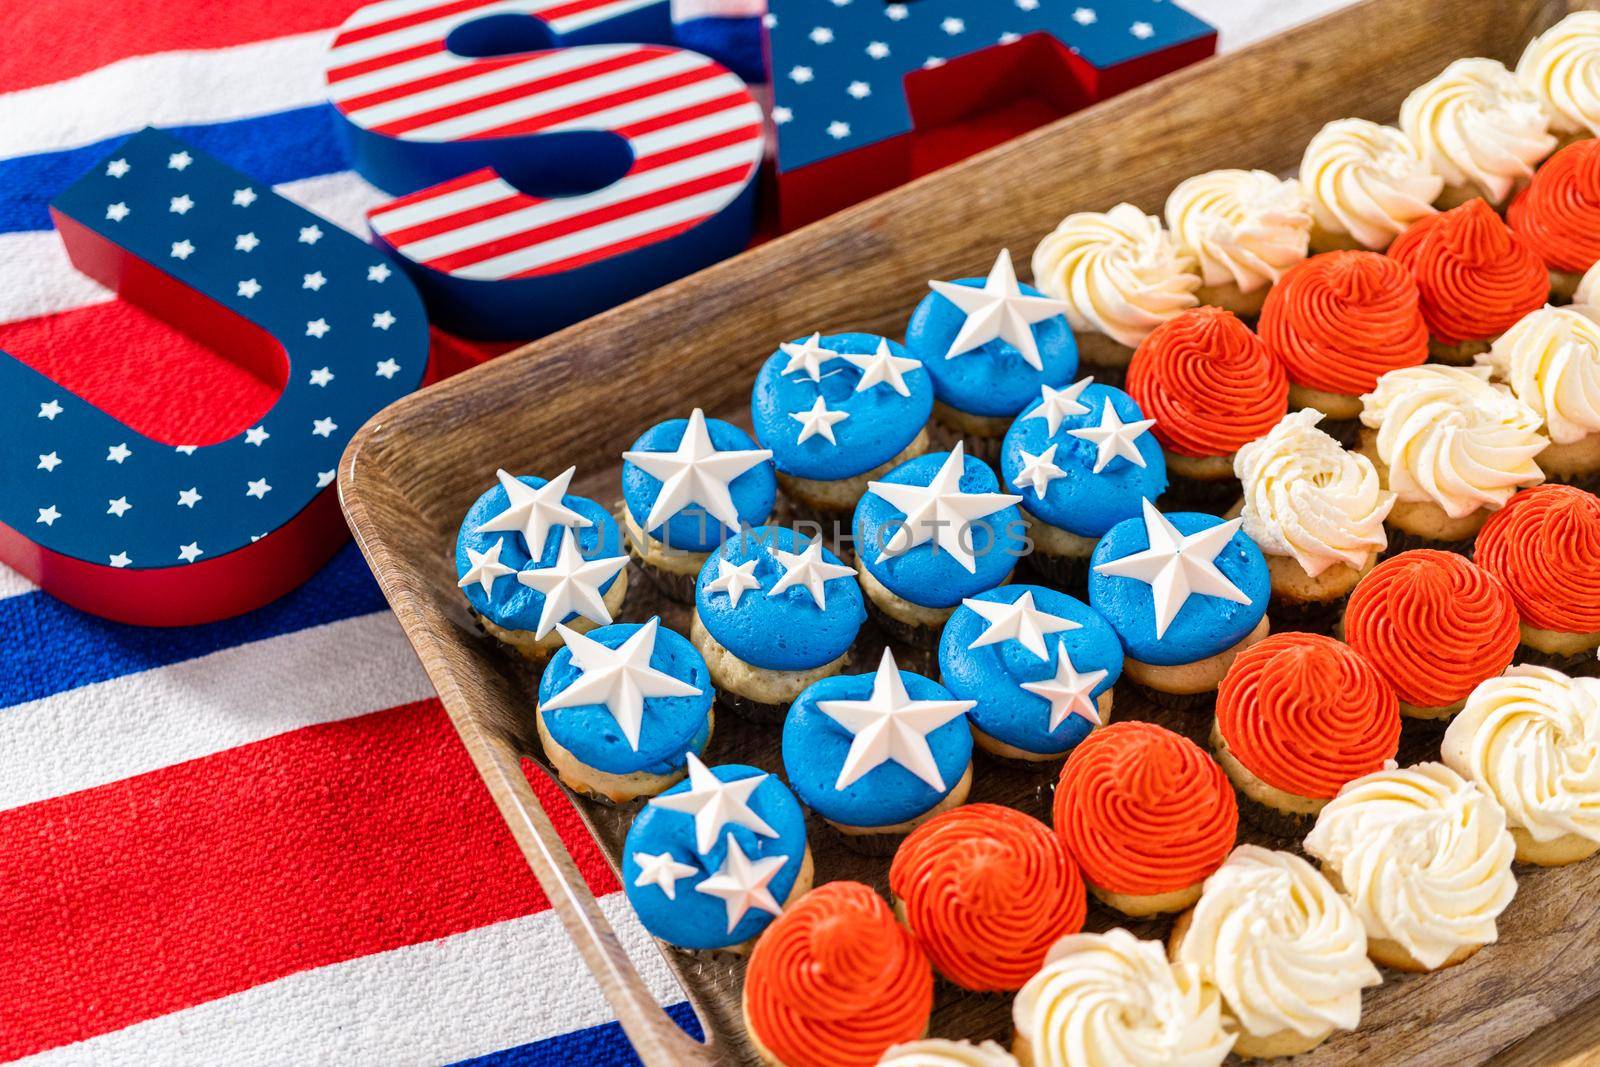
1460, 354
601, 785
1392, 954
538, 649
1563, 284
1574, 460
673, 570
1559, 643
1323, 240
1230, 297
752, 692
1274, 810
840, 497
1192, 679
1557, 852
1059, 556
899, 617
1107, 355
996, 747
1426, 522
1137, 906
764, 1054
1292, 584
803, 883
1334, 405
883, 840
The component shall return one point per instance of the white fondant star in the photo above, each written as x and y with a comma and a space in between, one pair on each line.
742, 883
1069, 692
807, 356
998, 310
715, 804
661, 871
883, 367
733, 579
1176, 567
486, 567
572, 584
1114, 438
619, 679
696, 473
534, 512
1019, 621
939, 511
818, 421
809, 571
1038, 471
889, 725
1057, 404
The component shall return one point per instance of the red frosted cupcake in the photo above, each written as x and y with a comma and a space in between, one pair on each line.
1545, 546
987, 890
1298, 716
1339, 322
835, 981
1476, 277
1435, 625
1147, 815
1559, 214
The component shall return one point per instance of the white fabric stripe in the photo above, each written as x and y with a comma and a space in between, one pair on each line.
125, 726
13, 584
466, 995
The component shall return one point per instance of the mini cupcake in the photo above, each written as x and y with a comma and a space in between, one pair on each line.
622, 708
1121, 276
1285, 950
1315, 510
837, 412
1434, 625
1147, 815
1561, 67
1298, 716
1551, 361
932, 532
1531, 740
835, 982
773, 613
1185, 592
1476, 277
1559, 214
1451, 447
709, 863
1545, 547
1366, 183
989, 344
1038, 665
1477, 128
1083, 459
1111, 1000
530, 555
1211, 385
1587, 295
942, 1052
876, 755
1424, 857
1244, 228
1339, 322
986, 890
687, 485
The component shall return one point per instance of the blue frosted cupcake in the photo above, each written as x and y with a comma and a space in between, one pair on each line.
710, 862
837, 412
877, 754
1186, 592
773, 613
687, 486
1083, 459
621, 707
530, 555
989, 344
933, 531
1038, 665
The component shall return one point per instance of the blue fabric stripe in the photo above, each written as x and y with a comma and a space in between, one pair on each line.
280, 147
597, 1046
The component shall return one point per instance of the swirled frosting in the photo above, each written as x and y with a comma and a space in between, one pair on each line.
1366, 180
1242, 226
1475, 125
1341, 320
1305, 496
1143, 810
836, 981
1545, 546
1112, 1000
1448, 436
1306, 714
1280, 944
1475, 275
1120, 273
1531, 739
1561, 67
1422, 854
1551, 360
939, 1052
1587, 294
1210, 384
1434, 624
1559, 212
987, 890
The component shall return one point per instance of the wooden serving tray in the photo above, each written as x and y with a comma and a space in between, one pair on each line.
581, 396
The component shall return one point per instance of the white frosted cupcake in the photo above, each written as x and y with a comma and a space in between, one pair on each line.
1285, 950
1478, 129
1244, 228
1551, 361
1425, 858
940, 1052
1587, 294
1531, 739
1121, 275
1561, 67
1365, 183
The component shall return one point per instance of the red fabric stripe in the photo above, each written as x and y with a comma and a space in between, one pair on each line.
146, 896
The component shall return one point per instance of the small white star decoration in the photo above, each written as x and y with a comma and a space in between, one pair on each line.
244, 197
387, 368
117, 212
1038, 471
534, 512
807, 356
245, 242
890, 726
998, 310
883, 367
1057, 404
117, 168
323, 427
696, 473
317, 328
715, 804
118, 453
49, 461
180, 205
258, 488
1069, 692
838, 130
572, 584
734, 579
620, 679
118, 507
1114, 438
741, 883
256, 435
1176, 567
378, 272
310, 235
939, 511
818, 421
50, 409
190, 552
249, 288
182, 249
809, 571
314, 281
321, 376
48, 515
1142, 30
661, 871
179, 160
1020, 621
188, 498
383, 320
484, 568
